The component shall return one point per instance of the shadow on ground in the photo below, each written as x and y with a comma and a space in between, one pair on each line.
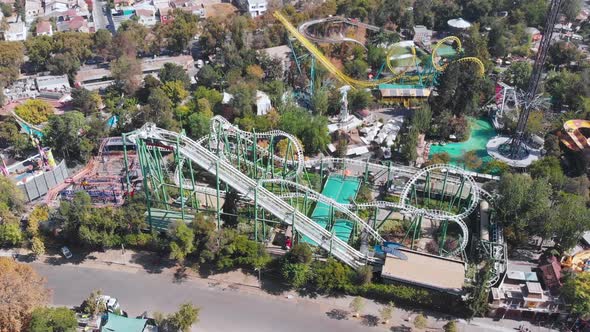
338, 314
370, 320
151, 262
401, 328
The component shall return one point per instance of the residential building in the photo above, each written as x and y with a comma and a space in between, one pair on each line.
44, 28
164, 12
33, 9
17, 31
551, 273
76, 23
257, 7
146, 17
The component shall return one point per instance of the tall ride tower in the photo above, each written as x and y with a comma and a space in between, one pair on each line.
515, 147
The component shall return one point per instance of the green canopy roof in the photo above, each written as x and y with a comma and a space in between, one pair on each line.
116, 323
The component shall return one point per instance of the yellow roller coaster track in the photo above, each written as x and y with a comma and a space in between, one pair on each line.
363, 83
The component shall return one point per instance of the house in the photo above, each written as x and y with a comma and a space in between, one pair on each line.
146, 17
422, 35
534, 33
17, 31
164, 12
76, 23
44, 28
33, 9
257, 7
551, 273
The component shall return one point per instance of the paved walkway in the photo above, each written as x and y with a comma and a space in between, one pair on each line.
150, 263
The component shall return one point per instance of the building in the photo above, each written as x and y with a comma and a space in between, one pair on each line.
116, 323
422, 35
458, 24
263, 104
33, 9
282, 53
17, 31
520, 295
551, 274
395, 93
254, 7
44, 28
76, 23
53, 83
146, 17
424, 270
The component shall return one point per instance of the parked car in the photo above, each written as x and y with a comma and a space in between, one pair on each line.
111, 304
66, 252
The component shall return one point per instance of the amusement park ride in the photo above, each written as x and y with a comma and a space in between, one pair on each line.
410, 74
277, 190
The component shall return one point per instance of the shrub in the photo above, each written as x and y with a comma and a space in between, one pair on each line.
450, 326
37, 246
356, 305
386, 312
420, 321
10, 234
331, 276
296, 274
300, 253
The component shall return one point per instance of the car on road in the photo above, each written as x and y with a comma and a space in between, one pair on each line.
66, 252
110, 303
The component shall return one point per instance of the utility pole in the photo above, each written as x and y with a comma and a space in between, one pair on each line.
516, 145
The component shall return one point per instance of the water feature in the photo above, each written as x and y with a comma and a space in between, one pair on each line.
481, 132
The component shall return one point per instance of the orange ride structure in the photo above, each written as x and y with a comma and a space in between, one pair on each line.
573, 137
578, 262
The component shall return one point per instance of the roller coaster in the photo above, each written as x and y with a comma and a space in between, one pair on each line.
278, 188
437, 62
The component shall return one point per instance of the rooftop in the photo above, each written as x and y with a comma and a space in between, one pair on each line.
43, 27
116, 323
422, 269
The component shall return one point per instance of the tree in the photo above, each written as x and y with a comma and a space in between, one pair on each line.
126, 71
478, 301
34, 111
296, 275
300, 253
576, 291
359, 99
341, 146
549, 168
551, 146
518, 74
420, 321
11, 58
330, 276
85, 101
10, 137
568, 220
471, 160
37, 247
62, 134
10, 234
92, 305
59, 319
173, 72
6, 9
160, 103
103, 43
571, 9
12, 198
182, 245
21, 291
39, 50
386, 312
319, 101
182, 320
421, 118
77, 44
357, 305
208, 76
563, 53
409, 148
175, 91
181, 30
563, 86
64, 64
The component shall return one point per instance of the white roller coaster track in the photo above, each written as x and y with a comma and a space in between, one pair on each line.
251, 189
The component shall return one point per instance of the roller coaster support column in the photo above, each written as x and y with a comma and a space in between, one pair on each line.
254, 146
256, 213
180, 177
195, 202
128, 184
144, 172
444, 187
217, 187
312, 77
427, 187
457, 196
444, 226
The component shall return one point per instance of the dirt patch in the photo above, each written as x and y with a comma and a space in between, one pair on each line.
219, 10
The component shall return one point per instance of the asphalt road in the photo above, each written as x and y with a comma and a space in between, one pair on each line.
100, 18
222, 310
